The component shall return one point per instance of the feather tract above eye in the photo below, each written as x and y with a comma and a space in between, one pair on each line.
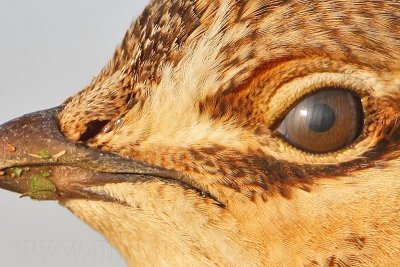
231, 133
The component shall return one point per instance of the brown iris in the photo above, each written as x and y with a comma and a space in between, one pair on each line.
326, 121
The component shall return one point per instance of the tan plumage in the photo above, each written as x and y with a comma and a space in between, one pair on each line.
198, 87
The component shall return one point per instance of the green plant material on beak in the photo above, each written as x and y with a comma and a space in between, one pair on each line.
15, 172
41, 187
44, 154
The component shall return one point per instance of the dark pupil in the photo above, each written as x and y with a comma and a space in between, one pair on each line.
322, 118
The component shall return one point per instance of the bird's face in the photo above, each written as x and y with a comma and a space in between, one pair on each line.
232, 132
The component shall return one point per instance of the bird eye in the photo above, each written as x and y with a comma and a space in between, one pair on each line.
326, 121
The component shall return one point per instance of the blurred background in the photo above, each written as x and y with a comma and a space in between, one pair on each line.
49, 50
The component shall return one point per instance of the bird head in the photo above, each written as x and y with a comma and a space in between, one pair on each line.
262, 133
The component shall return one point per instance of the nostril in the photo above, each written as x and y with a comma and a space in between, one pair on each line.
92, 129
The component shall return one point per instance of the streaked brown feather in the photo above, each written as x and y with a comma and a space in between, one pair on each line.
196, 86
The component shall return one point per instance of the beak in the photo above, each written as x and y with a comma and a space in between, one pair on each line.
36, 160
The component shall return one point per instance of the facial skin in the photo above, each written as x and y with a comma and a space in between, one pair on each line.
188, 108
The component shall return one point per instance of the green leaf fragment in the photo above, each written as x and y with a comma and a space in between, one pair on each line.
44, 154
45, 173
16, 172
41, 187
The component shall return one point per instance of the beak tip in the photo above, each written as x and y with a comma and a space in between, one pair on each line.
21, 141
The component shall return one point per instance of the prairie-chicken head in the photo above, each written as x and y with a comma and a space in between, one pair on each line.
232, 133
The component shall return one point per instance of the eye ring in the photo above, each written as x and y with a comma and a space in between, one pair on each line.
326, 121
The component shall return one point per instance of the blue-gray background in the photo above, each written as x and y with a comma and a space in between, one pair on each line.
48, 51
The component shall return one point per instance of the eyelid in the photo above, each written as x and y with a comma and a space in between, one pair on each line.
361, 81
